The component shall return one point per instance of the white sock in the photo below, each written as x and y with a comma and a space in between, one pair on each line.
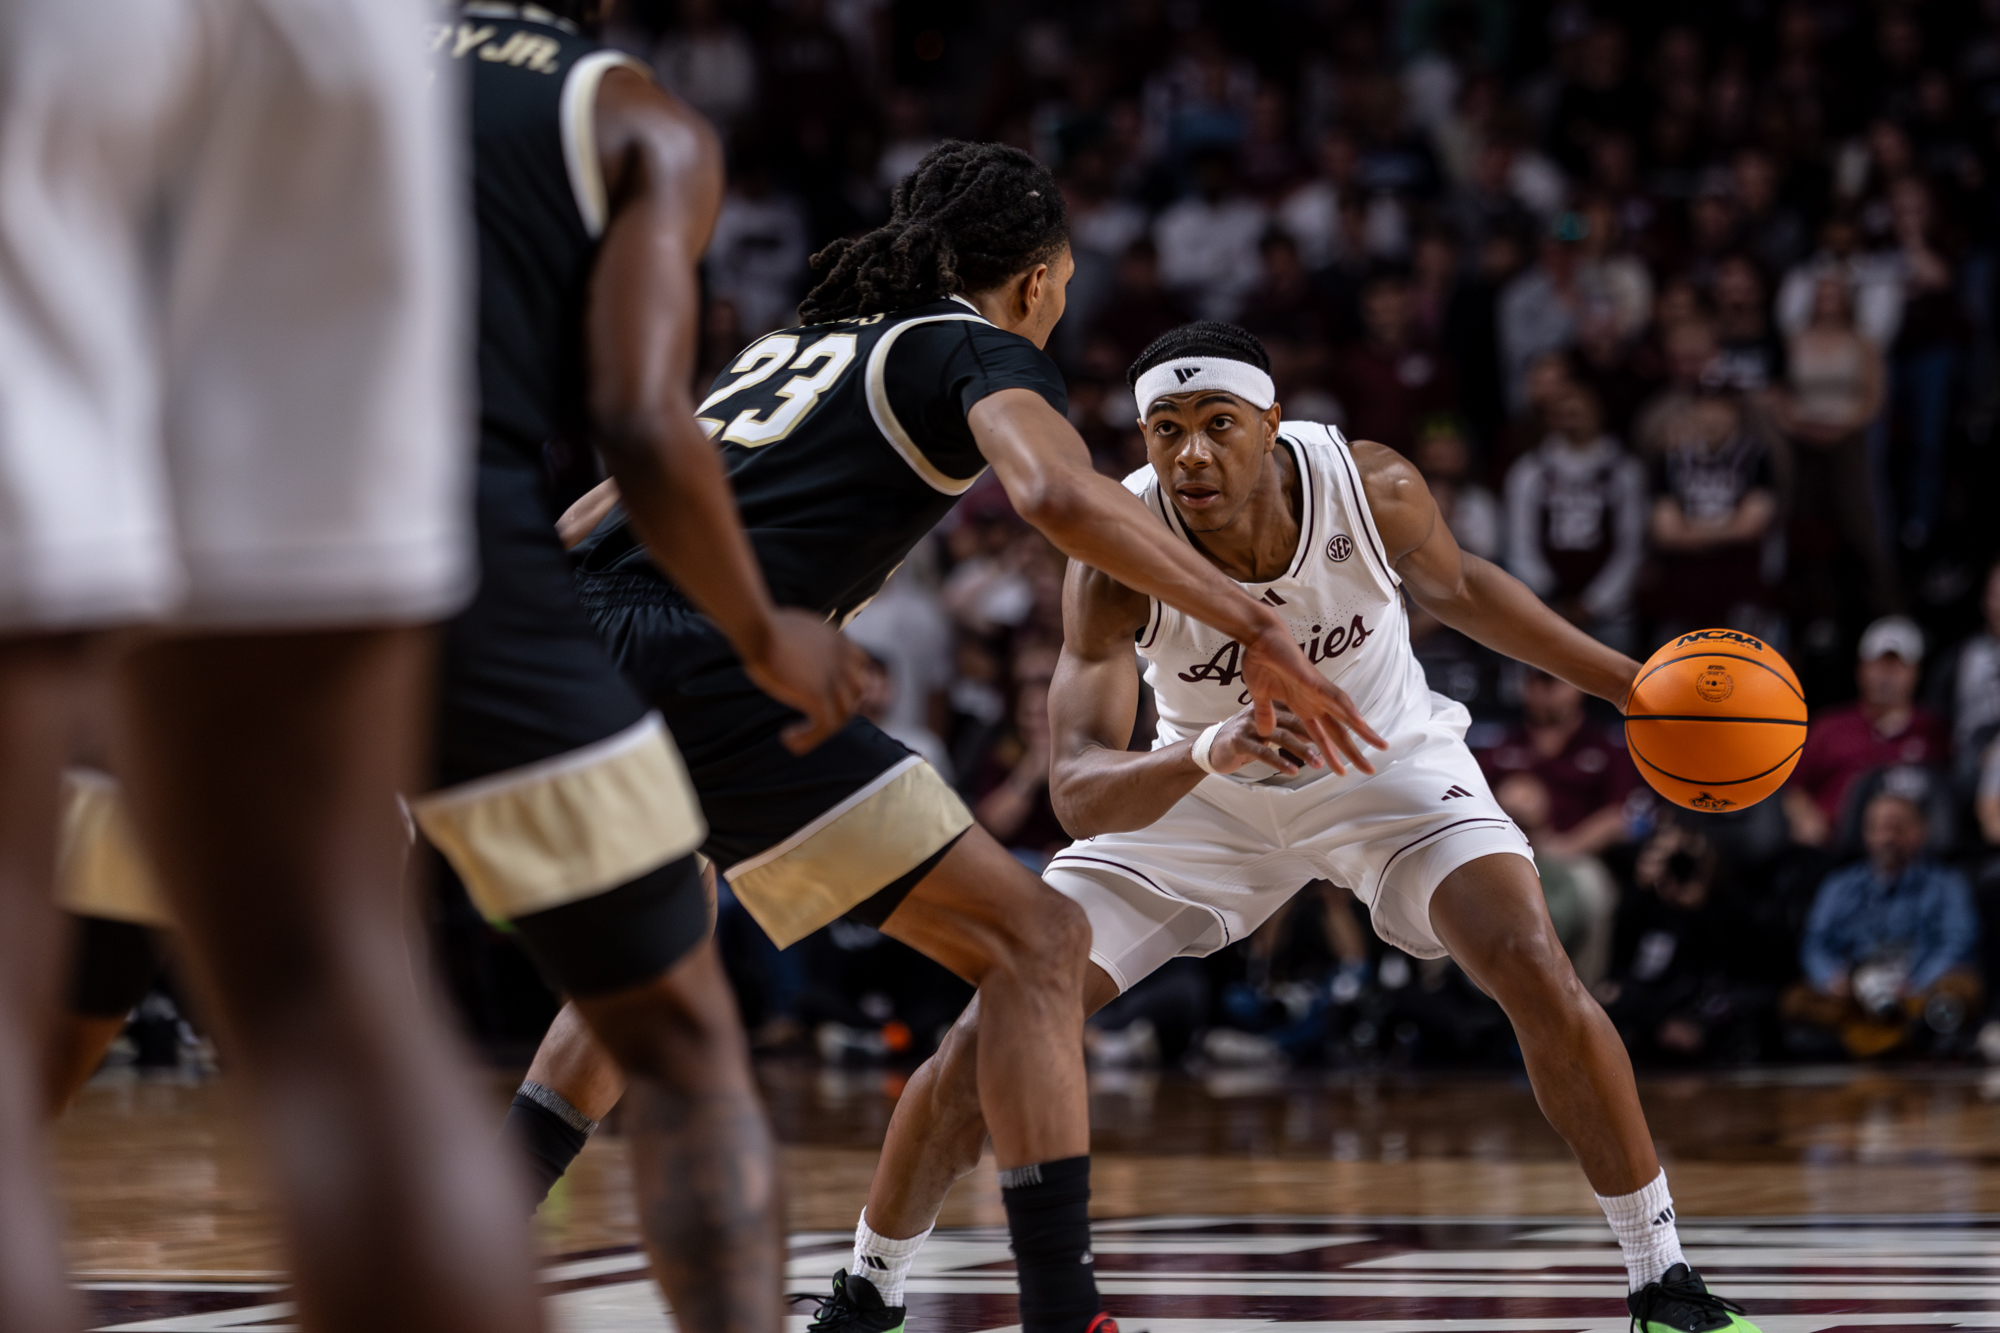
1643, 1221
884, 1262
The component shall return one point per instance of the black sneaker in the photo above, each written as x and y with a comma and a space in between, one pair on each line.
854, 1307
1680, 1302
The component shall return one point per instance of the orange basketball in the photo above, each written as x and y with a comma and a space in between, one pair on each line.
1716, 720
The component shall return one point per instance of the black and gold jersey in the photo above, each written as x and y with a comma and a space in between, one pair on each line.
847, 442
541, 208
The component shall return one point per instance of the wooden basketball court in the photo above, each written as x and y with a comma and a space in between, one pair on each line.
1831, 1199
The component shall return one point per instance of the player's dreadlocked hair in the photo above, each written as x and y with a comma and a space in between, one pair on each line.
971, 216
1205, 337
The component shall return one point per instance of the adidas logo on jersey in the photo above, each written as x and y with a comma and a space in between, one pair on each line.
1455, 792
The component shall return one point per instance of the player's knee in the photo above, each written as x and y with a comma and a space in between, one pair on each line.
1053, 940
670, 1032
1527, 966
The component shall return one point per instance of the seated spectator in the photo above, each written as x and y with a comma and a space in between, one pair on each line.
1873, 284
1971, 682
1288, 316
757, 254
1890, 942
709, 61
1010, 788
1539, 310
1614, 282
1694, 974
1750, 357
1139, 308
1311, 213
1688, 354
1715, 505
1928, 352
1576, 520
1594, 796
1468, 508
1773, 232
1208, 241
1388, 382
1881, 729
1581, 898
908, 630
878, 704
1833, 391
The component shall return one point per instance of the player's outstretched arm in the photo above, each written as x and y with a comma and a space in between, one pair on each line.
663, 174
1045, 466
1097, 785
1474, 596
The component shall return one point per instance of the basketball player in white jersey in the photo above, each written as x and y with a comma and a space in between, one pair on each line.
1192, 845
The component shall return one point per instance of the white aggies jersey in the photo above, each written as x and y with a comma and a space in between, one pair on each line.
1340, 598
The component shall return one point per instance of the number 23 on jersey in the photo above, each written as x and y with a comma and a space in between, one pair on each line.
775, 411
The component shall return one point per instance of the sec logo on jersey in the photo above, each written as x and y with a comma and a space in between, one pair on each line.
1339, 547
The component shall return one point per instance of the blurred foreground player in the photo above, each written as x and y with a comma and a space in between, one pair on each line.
228, 350
846, 441
1200, 840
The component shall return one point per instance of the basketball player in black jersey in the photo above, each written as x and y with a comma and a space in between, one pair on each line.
846, 441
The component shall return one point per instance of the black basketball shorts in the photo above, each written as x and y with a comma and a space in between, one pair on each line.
846, 830
560, 799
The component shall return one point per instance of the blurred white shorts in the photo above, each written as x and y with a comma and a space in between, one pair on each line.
1228, 855
232, 375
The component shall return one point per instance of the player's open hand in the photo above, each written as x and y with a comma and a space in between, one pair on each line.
1288, 748
1276, 670
811, 666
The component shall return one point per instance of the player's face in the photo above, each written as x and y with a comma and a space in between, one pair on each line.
1208, 450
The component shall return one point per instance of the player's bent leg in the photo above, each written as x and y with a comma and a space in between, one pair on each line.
643, 972
263, 773
989, 919
38, 693
985, 916
938, 1132
1490, 914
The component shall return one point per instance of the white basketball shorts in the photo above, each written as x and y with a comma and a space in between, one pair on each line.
232, 358
1229, 854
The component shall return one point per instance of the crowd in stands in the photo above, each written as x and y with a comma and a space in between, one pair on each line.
1687, 314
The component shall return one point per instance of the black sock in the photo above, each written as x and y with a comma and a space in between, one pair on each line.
1048, 1221
549, 1133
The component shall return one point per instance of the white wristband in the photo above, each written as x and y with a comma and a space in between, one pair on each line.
1202, 745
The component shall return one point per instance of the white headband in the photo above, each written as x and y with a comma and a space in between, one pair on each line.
1192, 374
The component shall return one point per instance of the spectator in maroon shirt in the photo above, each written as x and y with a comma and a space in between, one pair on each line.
1883, 728
1389, 381
1590, 778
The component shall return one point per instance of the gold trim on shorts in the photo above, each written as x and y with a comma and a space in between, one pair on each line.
850, 853
546, 834
101, 870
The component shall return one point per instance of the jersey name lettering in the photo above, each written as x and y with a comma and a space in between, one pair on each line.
1224, 669
526, 50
